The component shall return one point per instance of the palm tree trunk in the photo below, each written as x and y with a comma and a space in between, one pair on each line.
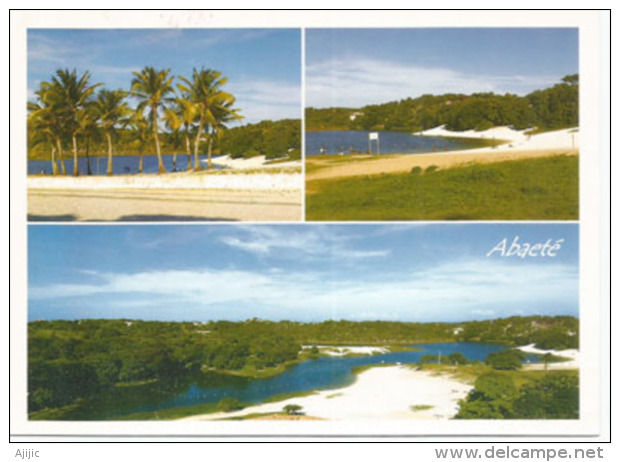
209, 165
110, 164
197, 144
76, 170
160, 162
140, 162
63, 170
54, 165
188, 149
88, 169
174, 161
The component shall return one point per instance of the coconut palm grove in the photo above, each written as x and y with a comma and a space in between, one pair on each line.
75, 116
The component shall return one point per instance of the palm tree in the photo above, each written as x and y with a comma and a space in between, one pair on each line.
141, 129
223, 113
48, 124
111, 109
187, 114
89, 129
210, 102
68, 96
42, 129
151, 87
172, 117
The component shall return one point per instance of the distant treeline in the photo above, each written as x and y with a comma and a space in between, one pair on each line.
281, 139
551, 108
70, 360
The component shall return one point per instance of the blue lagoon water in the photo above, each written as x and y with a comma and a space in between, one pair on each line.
123, 165
317, 374
356, 141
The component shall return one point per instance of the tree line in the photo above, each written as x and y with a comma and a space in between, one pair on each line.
551, 108
73, 113
497, 395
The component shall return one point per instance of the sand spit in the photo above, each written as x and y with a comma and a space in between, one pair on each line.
571, 354
392, 392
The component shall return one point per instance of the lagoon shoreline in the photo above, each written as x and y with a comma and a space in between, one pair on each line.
389, 392
518, 146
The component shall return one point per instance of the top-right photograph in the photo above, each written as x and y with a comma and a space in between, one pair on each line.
442, 124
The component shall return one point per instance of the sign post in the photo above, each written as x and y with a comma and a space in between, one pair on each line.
373, 136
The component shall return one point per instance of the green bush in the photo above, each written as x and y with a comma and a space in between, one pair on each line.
506, 360
229, 404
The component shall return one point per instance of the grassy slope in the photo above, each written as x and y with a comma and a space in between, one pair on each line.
532, 189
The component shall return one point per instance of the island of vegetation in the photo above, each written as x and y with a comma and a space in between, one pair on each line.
90, 369
525, 166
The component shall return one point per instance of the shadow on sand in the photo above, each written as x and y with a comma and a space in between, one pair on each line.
52, 217
170, 218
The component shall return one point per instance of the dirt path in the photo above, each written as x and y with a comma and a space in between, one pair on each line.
400, 163
162, 205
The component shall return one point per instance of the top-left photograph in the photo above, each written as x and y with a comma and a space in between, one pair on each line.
141, 125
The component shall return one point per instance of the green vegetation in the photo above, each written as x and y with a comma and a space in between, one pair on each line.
70, 114
528, 395
229, 405
73, 363
421, 407
169, 414
547, 333
292, 409
506, 360
551, 108
274, 140
532, 189
457, 358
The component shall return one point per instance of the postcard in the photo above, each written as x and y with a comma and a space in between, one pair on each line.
360, 224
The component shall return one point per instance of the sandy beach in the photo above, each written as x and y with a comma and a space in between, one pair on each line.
518, 146
162, 205
378, 393
174, 197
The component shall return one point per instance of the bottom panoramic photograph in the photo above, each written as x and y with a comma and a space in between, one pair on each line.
303, 322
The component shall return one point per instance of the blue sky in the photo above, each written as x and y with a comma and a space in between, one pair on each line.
355, 67
408, 272
263, 66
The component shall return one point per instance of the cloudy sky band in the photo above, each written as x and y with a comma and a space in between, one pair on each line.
406, 273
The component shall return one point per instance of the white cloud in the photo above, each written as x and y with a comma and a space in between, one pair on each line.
358, 82
266, 99
317, 243
454, 291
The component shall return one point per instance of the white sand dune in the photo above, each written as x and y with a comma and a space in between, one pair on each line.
256, 162
348, 350
378, 393
517, 139
572, 354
